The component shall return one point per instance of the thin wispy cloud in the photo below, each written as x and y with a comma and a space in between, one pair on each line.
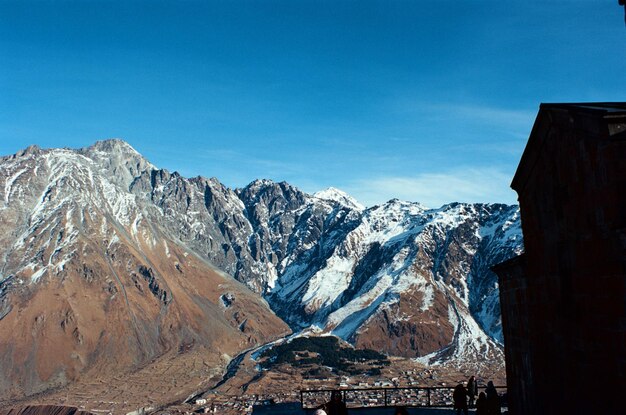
436, 189
511, 118
502, 116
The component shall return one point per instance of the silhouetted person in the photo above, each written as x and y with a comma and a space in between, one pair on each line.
336, 406
481, 404
493, 400
460, 399
472, 390
400, 410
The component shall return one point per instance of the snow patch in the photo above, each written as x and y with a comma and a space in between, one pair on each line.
8, 184
328, 283
428, 298
340, 197
167, 249
35, 277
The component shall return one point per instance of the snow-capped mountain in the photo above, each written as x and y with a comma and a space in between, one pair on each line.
92, 286
397, 277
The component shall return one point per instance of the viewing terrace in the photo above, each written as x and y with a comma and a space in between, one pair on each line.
373, 401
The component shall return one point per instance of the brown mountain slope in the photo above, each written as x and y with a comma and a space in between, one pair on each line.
98, 306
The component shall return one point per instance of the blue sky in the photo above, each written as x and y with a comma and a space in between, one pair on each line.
428, 101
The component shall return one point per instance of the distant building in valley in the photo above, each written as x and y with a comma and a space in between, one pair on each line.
564, 300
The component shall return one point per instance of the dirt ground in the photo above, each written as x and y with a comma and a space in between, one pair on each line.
162, 386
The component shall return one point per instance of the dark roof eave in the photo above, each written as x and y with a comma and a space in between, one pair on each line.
541, 128
590, 107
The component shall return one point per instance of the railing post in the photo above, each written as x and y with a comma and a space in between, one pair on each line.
385, 397
428, 390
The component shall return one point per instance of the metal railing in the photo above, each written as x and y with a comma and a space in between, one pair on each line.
410, 396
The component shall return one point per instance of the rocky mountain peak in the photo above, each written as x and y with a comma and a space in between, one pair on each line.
118, 160
339, 196
396, 210
260, 183
30, 150
114, 145
271, 197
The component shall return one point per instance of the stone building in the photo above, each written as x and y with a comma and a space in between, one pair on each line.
564, 300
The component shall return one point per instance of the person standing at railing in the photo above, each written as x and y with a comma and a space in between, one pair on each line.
472, 390
400, 410
493, 400
459, 396
481, 405
336, 406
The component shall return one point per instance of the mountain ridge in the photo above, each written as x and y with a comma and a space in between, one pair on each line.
397, 277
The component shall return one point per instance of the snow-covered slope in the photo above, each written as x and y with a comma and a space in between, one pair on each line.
403, 278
